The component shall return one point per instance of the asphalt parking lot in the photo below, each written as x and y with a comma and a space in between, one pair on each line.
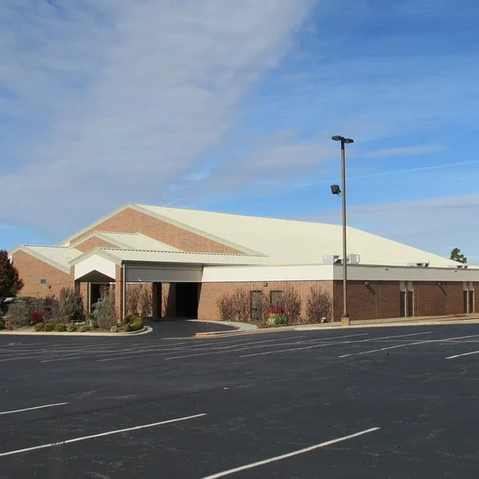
346, 403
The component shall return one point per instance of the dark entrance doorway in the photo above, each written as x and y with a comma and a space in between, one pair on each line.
186, 296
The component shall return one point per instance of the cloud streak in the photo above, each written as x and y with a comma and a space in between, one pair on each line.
127, 97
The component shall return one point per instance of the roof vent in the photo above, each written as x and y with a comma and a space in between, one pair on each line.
419, 265
331, 259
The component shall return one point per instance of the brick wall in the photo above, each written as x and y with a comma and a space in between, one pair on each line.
32, 270
430, 299
455, 299
376, 300
132, 221
91, 243
211, 292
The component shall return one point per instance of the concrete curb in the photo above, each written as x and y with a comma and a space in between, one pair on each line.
389, 324
145, 330
239, 328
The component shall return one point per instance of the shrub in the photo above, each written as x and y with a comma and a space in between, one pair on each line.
70, 306
83, 328
259, 305
240, 302
36, 316
2, 324
291, 303
226, 308
129, 318
135, 325
104, 312
114, 329
60, 327
18, 314
71, 327
276, 316
49, 326
319, 306
39, 327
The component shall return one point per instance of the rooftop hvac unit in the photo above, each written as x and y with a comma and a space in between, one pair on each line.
419, 265
331, 258
353, 259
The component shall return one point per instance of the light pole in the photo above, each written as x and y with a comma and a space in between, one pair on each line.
345, 321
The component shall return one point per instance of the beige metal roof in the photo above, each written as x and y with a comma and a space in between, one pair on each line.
54, 255
295, 242
134, 241
119, 255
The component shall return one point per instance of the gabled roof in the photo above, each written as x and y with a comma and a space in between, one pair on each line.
147, 256
55, 256
128, 241
284, 241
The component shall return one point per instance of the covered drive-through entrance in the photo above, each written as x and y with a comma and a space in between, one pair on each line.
170, 290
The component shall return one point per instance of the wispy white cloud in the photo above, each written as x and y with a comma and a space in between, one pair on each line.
127, 96
433, 224
404, 150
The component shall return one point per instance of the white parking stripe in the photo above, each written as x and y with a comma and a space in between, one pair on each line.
102, 434
277, 351
406, 344
470, 353
205, 348
290, 454
253, 346
32, 408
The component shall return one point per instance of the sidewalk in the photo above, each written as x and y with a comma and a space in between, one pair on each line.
414, 321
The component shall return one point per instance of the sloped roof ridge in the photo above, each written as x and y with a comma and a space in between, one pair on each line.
116, 250
235, 214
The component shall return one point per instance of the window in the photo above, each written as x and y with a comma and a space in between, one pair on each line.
275, 298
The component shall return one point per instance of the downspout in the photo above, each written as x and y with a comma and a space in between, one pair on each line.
123, 305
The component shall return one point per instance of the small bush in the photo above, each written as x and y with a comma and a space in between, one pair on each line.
226, 308
114, 329
37, 316
275, 316
291, 303
319, 305
18, 314
39, 327
135, 325
129, 318
104, 312
2, 324
83, 328
241, 305
70, 306
60, 327
71, 327
49, 326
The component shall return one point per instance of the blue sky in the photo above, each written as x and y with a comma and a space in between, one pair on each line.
230, 106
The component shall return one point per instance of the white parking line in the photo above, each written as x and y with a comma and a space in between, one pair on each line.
253, 346
265, 353
102, 434
470, 353
290, 454
205, 348
406, 344
33, 408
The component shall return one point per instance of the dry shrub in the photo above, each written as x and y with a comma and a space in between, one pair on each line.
225, 308
69, 308
240, 302
291, 303
319, 305
139, 299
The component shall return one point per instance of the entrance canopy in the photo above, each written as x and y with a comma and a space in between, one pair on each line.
100, 265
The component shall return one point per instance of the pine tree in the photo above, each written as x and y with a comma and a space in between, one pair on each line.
10, 282
456, 255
